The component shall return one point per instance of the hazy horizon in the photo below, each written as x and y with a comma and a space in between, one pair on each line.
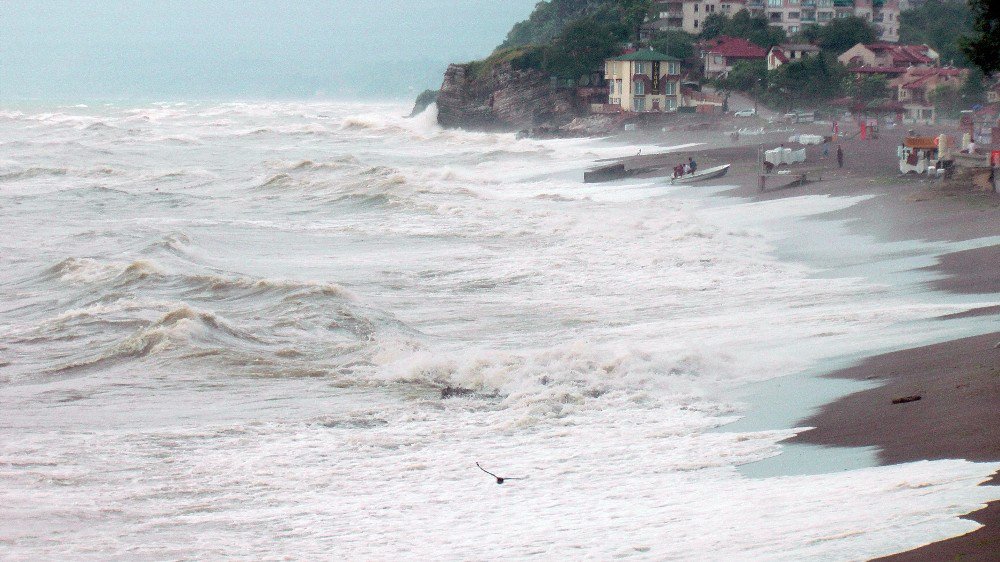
227, 49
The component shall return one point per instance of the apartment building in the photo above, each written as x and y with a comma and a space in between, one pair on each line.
791, 15
689, 15
794, 15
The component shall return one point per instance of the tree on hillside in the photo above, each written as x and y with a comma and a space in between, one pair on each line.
714, 26
867, 88
632, 13
973, 90
843, 33
746, 76
940, 25
947, 101
675, 43
808, 34
582, 47
549, 19
983, 48
752, 28
809, 80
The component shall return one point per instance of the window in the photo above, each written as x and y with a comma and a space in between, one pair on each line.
639, 104
793, 15
774, 3
639, 88
717, 59
793, 29
671, 104
673, 69
696, 9
669, 89
618, 85
640, 68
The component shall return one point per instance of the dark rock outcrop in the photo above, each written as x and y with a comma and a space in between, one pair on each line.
425, 98
503, 98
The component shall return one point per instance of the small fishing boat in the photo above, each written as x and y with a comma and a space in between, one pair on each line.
706, 174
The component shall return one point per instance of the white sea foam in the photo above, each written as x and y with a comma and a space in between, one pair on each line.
234, 342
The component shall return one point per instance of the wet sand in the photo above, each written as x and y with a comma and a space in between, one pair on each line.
958, 381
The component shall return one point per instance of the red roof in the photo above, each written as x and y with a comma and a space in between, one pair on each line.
902, 55
779, 54
736, 47
935, 71
877, 70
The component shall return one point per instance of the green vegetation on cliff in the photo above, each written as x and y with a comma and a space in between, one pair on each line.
567, 38
551, 18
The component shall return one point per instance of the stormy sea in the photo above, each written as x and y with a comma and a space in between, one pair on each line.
268, 330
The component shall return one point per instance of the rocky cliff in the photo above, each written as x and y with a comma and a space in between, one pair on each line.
500, 97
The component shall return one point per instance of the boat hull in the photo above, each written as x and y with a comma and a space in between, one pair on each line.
708, 174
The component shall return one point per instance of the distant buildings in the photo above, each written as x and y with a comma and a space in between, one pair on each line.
721, 54
914, 89
913, 73
790, 15
794, 15
789, 52
644, 81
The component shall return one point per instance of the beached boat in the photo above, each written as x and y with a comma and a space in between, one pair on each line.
706, 174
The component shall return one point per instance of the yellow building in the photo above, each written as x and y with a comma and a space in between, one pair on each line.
644, 81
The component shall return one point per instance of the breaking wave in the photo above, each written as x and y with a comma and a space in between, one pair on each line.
30, 173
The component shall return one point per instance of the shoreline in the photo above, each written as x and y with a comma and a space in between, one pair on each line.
958, 380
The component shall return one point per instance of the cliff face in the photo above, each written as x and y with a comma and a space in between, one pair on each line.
502, 99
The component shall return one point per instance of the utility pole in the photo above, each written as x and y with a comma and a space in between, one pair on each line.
756, 95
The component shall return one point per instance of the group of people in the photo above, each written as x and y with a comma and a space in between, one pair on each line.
685, 168
840, 152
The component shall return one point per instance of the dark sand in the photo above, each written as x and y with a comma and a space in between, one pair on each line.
959, 386
958, 381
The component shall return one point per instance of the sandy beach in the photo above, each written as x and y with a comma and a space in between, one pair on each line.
957, 382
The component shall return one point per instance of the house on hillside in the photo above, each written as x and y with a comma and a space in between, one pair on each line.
915, 86
721, 54
643, 81
789, 52
887, 55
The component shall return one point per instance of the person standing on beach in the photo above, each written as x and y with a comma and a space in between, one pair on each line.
840, 156
826, 147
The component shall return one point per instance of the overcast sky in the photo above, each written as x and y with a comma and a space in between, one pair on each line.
213, 49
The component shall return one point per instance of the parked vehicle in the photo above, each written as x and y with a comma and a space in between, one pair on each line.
746, 113
800, 116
